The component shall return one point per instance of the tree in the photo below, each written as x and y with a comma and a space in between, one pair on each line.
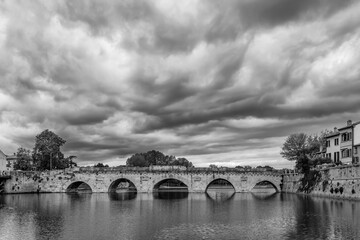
137, 160
101, 165
154, 157
301, 147
24, 160
47, 151
71, 162
182, 162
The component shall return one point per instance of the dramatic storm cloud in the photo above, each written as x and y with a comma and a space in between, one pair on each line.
220, 82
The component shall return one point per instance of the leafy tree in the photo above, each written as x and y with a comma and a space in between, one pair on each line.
101, 165
301, 147
239, 167
269, 168
137, 160
213, 166
24, 160
248, 168
71, 162
154, 157
47, 152
182, 162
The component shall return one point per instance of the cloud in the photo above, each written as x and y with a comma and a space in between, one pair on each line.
214, 82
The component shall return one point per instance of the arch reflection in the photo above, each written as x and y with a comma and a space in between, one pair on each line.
263, 195
220, 196
220, 190
170, 194
170, 189
122, 196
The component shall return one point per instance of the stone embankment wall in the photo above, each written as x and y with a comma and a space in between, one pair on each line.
101, 181
339, 182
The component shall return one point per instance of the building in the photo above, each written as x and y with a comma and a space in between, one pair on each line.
333, 146
11, 159
346, 142
7, 161
356, 143
343, 144
3, 161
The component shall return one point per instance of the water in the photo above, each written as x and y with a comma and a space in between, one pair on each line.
177, 215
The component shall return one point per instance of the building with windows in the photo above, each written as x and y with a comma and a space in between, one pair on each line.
3, 161
356, 142
343, 144
346, 142
11, 160
333, 146
7, 161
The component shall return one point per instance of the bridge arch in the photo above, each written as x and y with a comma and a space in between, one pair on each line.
269, 182
220, 181
122, 183
79, 187
170, 183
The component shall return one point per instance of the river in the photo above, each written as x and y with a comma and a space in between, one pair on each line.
177, 215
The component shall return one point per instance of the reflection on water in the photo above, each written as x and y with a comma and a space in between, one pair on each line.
263, 195
220, 195
122, 195
176, 194
196, 216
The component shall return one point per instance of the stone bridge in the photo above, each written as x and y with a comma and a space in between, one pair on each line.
144, 181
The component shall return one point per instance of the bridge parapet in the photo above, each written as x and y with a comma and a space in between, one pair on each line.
140, 170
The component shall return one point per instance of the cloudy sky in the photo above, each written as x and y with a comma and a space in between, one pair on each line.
220, 82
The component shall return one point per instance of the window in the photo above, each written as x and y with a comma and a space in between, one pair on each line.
336, 141
328, 143
355, 150
346, 153
346, 137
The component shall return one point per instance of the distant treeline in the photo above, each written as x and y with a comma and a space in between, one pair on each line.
154, 157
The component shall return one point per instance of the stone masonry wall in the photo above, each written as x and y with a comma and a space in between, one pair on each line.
338, 182
100, 181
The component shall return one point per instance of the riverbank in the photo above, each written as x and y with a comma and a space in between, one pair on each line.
342, 182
